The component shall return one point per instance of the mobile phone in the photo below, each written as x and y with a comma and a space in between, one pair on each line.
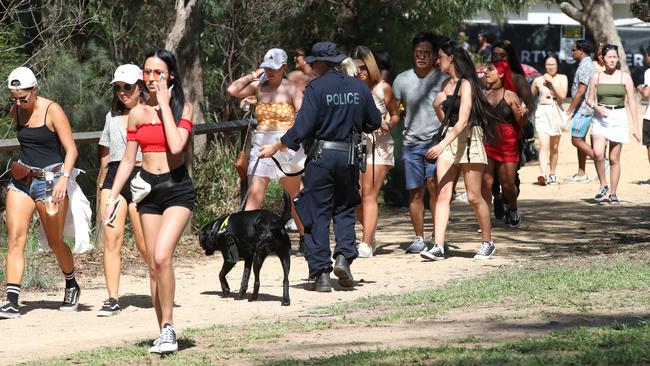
263, 78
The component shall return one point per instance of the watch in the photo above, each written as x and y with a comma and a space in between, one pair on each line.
67, 175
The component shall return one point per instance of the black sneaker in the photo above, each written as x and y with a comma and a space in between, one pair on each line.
109, 308
602, 192
435, 253
499, 208
513, 218
613, 199
8, 310
486, 251
70, 299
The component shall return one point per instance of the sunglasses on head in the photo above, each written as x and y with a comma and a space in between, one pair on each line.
608, 47
125, 87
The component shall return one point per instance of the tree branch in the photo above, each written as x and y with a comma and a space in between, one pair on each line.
573, 12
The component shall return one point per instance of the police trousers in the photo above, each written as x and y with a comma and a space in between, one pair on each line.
331, 191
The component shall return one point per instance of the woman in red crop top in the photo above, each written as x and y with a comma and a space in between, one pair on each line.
162, 128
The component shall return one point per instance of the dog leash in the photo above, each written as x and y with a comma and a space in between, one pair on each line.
257, 161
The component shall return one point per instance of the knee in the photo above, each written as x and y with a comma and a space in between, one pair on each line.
599, 156
614, 160
417, 195
575, 141
473, 198
161, 261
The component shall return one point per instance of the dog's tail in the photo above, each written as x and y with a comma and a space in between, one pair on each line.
286, 211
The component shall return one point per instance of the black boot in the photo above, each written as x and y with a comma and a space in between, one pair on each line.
301, 247
321, 283
342, 271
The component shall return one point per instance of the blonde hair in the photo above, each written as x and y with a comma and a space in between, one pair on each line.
363, 53
349, 67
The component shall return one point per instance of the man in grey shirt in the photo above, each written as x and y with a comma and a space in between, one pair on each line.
416, 88
579, 109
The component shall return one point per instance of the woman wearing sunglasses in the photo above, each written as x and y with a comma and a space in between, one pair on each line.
162, 129
128, 92
380, 146
42, 129
610, 91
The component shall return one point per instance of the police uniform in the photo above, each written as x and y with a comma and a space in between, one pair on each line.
335, 106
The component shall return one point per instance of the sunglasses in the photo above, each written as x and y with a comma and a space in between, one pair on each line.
125, 87
22, 100
362, 68
156, 73
608, 47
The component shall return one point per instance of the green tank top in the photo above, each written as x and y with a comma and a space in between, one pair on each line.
611, 94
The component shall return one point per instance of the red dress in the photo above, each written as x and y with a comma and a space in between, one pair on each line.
506, 150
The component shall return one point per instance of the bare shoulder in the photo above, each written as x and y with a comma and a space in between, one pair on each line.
511, 97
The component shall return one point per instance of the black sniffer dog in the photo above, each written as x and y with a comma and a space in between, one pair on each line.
251, 236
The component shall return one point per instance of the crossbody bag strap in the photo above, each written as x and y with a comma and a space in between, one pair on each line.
445, 122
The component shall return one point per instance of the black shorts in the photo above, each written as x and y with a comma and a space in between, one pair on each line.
168, 189
645, 136
110, 178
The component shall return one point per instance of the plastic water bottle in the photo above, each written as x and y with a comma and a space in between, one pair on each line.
50, 206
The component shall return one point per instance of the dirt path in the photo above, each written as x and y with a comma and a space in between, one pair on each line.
555, 219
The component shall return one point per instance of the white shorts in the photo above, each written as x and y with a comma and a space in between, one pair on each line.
613, 127
291, 161
548, 119
381, 151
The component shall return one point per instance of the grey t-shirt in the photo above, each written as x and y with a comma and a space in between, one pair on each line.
417, 95
114, 137
583, 75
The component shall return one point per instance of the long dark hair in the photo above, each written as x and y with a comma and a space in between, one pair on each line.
119, 109
513, 59
177, 102
482, 114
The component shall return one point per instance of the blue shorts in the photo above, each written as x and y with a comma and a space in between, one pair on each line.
580, 125
416, 168
37, 189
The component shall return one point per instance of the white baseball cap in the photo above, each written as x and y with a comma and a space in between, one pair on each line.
274, 59
21, 78
128, 73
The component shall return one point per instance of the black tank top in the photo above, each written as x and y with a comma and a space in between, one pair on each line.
504, 111
453, 114
39, 147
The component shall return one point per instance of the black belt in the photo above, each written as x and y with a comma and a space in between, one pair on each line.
612, 106
333, 145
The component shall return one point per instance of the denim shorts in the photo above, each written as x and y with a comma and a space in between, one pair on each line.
177, 190
580, 125
416, 168
36, 190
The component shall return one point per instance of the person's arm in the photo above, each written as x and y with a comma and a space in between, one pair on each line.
176, 136
520, 113
577, 99
591, 97
246, 85
103, 165
631, 102
371, 118
392, 106
644, 90
296, 96
559, 87
463, 119
523, 91
127, 163
63, 130
534, 88
440, 97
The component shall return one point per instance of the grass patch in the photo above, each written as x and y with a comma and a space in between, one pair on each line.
619, 344
553, 287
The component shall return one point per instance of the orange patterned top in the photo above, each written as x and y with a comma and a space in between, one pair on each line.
275, 116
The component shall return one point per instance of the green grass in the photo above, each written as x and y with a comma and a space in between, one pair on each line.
554, 287
601, 285
619, 344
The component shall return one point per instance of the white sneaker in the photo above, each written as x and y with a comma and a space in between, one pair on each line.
167, 342
486, 251
577, 179
365, 251
291, 225
462, 197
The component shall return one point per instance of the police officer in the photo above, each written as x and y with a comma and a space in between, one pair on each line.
336, 108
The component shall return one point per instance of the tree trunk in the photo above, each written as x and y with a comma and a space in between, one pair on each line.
184, 41
596, 15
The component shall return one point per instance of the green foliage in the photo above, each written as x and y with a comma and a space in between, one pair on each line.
216, 184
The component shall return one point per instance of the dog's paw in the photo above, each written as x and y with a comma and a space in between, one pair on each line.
225, 292
239, 296
252, 298
286, 302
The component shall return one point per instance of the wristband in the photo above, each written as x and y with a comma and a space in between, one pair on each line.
110, 201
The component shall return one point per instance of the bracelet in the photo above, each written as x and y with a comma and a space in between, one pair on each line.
111, 201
